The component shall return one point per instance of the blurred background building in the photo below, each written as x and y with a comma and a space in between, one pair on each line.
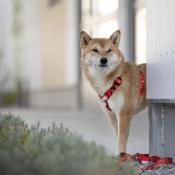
39, 47
39, 62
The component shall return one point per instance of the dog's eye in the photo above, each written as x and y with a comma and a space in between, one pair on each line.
95, 50
109, 50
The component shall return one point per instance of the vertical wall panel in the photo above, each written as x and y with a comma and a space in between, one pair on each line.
161, 76
161, 49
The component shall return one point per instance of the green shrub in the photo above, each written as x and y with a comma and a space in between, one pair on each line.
9, 98
55, 150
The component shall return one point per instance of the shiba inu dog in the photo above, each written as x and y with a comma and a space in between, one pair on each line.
119, 85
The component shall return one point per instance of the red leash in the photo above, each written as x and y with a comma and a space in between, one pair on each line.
116, 83
153, 162
142, 82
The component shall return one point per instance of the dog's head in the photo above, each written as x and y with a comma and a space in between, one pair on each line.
100, 56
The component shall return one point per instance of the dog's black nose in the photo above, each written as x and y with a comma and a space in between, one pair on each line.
103, 60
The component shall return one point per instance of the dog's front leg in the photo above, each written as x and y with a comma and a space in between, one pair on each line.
124, 120
110, 115
112, 119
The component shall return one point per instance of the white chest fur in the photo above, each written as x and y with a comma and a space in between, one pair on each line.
115, 102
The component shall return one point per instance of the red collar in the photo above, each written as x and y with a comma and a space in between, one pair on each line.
116, 83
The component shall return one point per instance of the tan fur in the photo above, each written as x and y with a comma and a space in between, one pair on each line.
126, 100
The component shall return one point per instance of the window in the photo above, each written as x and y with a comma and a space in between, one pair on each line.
141, 36
140, 26
52, 2
105, 7
99, 18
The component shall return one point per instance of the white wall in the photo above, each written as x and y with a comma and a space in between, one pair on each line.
72, 42
6, 47
161, 49
21, 54
31, 63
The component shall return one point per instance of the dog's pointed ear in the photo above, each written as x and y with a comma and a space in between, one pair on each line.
115, 38
84, 38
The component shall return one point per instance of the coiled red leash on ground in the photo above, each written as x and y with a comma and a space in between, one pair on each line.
153, 162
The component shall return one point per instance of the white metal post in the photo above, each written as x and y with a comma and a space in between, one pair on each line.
126, 25
161, 76
72, 68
